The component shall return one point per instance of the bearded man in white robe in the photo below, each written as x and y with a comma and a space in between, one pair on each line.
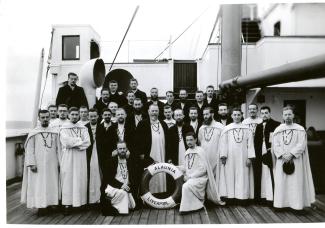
289, 145
209, 135
75, 140
253, 118
40, 187
199, 178
236, 149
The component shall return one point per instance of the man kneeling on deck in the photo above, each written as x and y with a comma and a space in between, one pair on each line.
199, 178
117, 187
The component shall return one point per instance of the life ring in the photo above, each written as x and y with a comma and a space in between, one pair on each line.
172, 200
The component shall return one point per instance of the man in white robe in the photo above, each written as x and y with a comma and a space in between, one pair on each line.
119, 184
253, 118
75, 140
93, 170
53, 112
83, 110
199, 179
295, 190
63, 118
236, 149
209, 135
40, 187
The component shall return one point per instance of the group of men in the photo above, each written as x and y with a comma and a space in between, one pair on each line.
79, 156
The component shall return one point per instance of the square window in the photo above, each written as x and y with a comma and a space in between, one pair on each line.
70, 47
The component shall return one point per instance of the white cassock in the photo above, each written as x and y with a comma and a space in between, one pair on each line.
295, 190
236, 144
209, 137
121, 200
157, 183
94, 176
266, 179
200, 181
41, 189
181, 147
252, 123
83, 122
75, 140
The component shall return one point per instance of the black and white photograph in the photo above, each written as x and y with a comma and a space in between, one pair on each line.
163, 112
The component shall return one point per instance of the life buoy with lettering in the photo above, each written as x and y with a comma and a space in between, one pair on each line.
172, 200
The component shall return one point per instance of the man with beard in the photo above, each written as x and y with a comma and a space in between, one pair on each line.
223, 116
120, 131
236, 148
184, 104
209, 135
199, 104
137, 115
102, 143
113, 107
171, 100
194, 122
168, 113
63, 117
262, 164
71, 94
102, 102
198, 177
151, 146
210, 99
118, 188
253, 119
177, 145
83, 110
93, 171
40, 187
53, 112
75, 140
154, 100
129, 106
138, 93
293, 189
114, 95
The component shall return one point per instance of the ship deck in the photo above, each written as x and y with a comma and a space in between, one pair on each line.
18, 214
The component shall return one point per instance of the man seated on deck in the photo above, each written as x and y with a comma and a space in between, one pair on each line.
118, 190
40, 187
199, 179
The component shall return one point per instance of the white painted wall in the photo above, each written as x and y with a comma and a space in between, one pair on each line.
315, 103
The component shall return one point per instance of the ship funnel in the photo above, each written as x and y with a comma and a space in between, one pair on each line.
92, 76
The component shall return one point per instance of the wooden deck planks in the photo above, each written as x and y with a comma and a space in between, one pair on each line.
18, 214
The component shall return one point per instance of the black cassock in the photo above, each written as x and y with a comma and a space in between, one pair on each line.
103, 147
142, 95
109, 178
72, 98
265, 159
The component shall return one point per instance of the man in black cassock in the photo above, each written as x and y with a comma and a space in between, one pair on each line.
102, 102
183, 103
118, 190
177, 145
137, 115
115, 95
194, 121
155, 100
102, 142
71, 94
211, 100
223, 114
262, 144
199, 104
171, 100
129, 106
138, 93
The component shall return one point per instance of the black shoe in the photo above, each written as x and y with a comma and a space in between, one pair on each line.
42, 211
67, 210
110, 211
